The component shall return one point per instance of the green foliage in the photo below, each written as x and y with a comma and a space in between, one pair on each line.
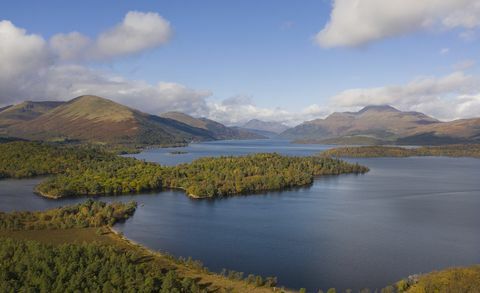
225, 176
88, 214
258, 281
402, 285
467, 150
29, 266
92, 171
450, 280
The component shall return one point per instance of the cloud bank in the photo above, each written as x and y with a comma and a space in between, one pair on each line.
33, 68
358, 22
453, 96
137, 32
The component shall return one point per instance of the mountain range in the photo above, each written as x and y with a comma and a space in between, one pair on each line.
384, 125
218, 130
99, 120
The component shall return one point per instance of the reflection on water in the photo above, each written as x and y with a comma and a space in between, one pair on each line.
407, 215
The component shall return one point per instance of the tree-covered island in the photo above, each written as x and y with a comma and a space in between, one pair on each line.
463, 150
83, 170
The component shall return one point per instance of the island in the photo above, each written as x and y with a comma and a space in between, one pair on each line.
178, 152
87, 170
462, 150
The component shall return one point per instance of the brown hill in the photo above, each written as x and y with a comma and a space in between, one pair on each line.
95, 119
386, 124
218, 130
25, 111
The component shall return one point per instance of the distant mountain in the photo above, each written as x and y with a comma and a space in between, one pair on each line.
275, 127
384, 124
263, 133
25, 111
95, 119
217, 130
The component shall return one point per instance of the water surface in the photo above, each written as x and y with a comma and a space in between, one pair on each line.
406, 216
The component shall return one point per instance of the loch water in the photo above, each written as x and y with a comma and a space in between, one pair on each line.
406, 216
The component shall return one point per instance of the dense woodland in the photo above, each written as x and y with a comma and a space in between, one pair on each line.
466, 150
28, 266
88, 214
92, 171
223, 176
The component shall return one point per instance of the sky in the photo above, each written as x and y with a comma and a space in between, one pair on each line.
275, 60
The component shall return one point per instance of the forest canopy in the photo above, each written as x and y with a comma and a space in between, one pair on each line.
92, 171
29, 266
87, 214
465, 150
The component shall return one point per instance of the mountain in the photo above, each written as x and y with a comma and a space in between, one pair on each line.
25, 111
275, 127
263, 133
217, 130
96, 119
385, 124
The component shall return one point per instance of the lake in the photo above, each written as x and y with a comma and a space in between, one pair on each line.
406, 216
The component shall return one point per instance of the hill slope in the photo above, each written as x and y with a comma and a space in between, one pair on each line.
217, 130
388, 125
25, 111
275, 127
95, 119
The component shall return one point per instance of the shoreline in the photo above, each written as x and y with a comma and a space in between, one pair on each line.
204, 271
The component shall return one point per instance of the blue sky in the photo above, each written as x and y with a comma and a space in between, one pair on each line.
265, 52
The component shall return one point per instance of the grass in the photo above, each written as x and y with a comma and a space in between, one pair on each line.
449, 280
210, 281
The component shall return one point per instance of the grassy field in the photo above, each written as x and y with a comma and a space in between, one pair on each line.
210, 281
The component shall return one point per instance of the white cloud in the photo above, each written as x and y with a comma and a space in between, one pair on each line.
71, 46
464, 65
358, 22
445, 97
20, 52
238, 110
29, 71
23, 59
137, 32
468, 36
444, 51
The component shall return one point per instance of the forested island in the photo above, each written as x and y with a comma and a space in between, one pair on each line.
464, 150
83, 170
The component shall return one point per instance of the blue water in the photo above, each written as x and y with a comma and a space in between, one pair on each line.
406, 216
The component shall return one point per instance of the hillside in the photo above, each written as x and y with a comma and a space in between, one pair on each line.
385, 124
217, 130
95, 119
269, 126
25, 111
